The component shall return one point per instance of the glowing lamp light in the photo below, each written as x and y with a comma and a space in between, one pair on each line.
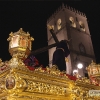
15, 41
75, 71
80, 66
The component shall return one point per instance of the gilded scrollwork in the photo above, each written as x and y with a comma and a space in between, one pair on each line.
45, 88
2, 84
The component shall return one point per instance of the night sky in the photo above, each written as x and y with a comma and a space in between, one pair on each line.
32, 16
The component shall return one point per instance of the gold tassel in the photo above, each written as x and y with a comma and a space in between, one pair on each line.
66, 59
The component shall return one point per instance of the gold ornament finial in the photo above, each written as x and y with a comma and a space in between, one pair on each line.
0, 60
66, 59
28, 34
32, 39
11, 34
21, 29
92, 62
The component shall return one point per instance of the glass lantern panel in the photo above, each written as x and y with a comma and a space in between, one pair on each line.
14, 41
23, 41
29, 45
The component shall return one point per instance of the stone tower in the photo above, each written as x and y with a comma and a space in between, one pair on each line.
69, 23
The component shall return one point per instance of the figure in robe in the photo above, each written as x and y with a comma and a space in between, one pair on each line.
59, 55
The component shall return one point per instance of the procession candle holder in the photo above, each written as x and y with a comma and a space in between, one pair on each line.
94, 72
20, 43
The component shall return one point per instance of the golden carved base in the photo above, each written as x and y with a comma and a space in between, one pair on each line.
19, 83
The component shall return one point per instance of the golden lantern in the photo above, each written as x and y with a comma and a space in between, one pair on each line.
94, 73
20, 43
93, 69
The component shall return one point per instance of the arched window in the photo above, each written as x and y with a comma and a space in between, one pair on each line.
82, 48
59, 24
82, 27
72, 22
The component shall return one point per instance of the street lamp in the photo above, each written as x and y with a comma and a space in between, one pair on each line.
79, 65
75, 71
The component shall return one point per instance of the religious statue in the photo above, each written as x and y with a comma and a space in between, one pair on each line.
60, 54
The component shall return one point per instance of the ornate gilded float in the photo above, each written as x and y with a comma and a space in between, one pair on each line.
17, 82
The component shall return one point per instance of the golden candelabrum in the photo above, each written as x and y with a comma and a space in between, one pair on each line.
17, 82
94, 73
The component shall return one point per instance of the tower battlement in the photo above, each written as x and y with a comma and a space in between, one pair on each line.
62, 7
